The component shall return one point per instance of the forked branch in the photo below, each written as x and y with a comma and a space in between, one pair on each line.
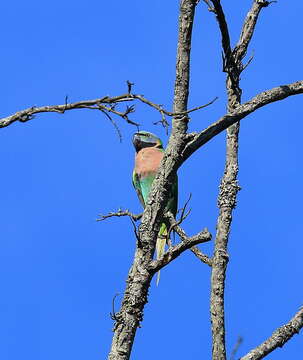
120, 213
107, 105
175, 226
174, 251
232, 65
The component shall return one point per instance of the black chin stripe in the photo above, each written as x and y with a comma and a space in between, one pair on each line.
143, 145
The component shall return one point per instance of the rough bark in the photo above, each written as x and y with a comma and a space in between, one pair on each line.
278, 338
180, 147
196, 140
229, 184
138, 282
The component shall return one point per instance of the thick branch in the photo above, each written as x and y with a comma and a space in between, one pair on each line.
138, 282
186, 18
229, 184
195, 141
278, 338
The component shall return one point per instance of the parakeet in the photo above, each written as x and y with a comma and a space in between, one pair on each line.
149, 153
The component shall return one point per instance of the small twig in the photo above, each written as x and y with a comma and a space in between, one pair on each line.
136, 231
248, 62
129, 110
174, 225
113, 314
129, 86
265, 3
168, 113
184, 208
66, 98
210, 7
120, 213
114, 124
163, 122
123, 115
173, 221
225, 38
236, 348
196, 108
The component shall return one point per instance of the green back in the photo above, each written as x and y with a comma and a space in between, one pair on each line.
144, 185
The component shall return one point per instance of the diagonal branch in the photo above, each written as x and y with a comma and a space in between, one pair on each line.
278, 338
202, 257
196, 140
249, 28
220, 16
173, 252
174, 225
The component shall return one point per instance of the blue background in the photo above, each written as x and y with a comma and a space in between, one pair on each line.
59, 267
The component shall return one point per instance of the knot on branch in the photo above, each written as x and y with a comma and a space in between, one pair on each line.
228, 191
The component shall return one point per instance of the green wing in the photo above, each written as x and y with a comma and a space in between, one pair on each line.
137, 186
172, 204
142, 188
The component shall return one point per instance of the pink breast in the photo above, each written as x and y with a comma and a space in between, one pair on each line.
147, 161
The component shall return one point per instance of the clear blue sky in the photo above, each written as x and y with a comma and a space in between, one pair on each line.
60, 268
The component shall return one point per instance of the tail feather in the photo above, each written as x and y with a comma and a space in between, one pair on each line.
160, 246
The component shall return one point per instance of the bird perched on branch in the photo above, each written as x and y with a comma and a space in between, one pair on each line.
149, 153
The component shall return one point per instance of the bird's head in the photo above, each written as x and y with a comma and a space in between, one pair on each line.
144, 139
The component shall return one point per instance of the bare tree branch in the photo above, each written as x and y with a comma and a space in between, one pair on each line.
278, 338
220, 16
175, 226
168, 113
236, 348
196, 140
249, 28
96, 104
138, 282
114, 124
232, 65
100, 104
175, 251
182, 145
120, 213
131, 312
199, 254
